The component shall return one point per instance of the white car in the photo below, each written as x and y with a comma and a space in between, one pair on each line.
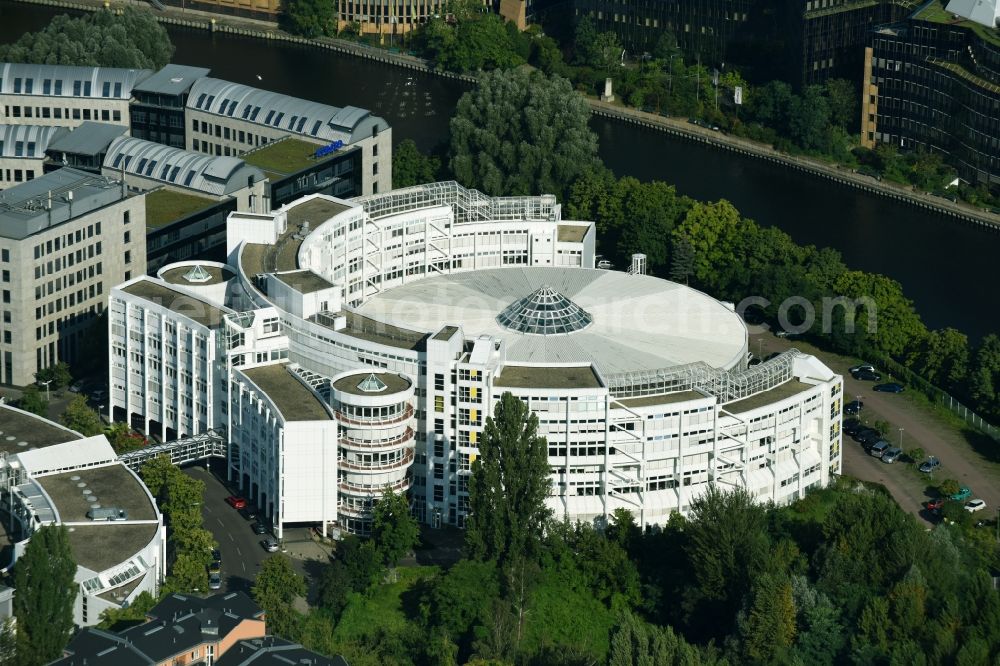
864, 367
975, 505
270, 545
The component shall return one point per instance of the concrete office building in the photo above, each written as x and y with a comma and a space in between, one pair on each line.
65, 239
83, 147
225, 118
50, 475
22, 151
932, 83
65, 96
404, 316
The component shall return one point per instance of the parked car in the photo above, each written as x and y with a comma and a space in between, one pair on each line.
867, 376
753, 361
853, 407
236, 502
879, 448
99, 395
77, 386
217, 555
975, 505
851, 426
963, 493
935, 505
248, 513
930, 465
259, 528
862, 434
783, 334
871, 440
214, 581
864, 367
892, 455
891, 387
270, 544
215, 567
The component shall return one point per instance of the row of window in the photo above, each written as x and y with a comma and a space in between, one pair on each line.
60, 113
81, 87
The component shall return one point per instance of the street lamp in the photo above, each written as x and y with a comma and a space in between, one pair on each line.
670, 66
900, 438
46, 385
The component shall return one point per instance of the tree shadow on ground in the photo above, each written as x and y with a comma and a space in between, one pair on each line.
982, 444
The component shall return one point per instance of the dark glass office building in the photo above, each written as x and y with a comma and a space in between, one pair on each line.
933, 83
157, 112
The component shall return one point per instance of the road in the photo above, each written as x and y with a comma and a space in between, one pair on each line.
954, 447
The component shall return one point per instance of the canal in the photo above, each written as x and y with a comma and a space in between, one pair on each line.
941, 262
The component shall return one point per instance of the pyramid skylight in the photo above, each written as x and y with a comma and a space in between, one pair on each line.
544, 312
372, 384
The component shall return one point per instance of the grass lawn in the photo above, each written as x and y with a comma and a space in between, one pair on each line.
383, 609
283, 157
165, 206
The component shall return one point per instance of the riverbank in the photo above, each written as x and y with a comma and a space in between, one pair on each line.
269, 31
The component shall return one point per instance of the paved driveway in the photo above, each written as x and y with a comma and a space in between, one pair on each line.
954, 447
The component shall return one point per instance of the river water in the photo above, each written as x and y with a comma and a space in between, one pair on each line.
942, 263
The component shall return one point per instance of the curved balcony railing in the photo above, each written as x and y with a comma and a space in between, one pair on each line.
375, 420
354, 512
405, 439
375, 466
369, 491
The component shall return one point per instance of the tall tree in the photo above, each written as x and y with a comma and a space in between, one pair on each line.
943, 358
81, 418
156, 473
275, 589
8, 643
681, 259
43, 605
394, 529
309, 18
521, 133
508, 487
768, 628
411, 167
895, 326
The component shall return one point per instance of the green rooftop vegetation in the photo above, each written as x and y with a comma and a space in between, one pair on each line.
164, 206
936, 13
283, 157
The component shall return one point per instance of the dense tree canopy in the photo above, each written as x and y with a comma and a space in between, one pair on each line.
44, 580
130, 37
394, 529
81, 418
411, 167
521, 132
275, 589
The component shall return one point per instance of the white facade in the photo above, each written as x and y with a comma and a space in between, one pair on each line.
641, 414
51, 485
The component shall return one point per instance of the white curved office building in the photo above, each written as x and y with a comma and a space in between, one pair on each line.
406, 315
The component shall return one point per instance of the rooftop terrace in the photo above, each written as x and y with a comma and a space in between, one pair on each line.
663, 399
523, 376
571, 233
282, 158
100, 546
204, 313
289, 395
35, 432
112, 485
365, 328
936, 13
779, 392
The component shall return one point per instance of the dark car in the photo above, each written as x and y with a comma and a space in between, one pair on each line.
851, 426
871, 439
259, 528
217, 556
248, 513
891, 387
862, 434
867, 376
935, 505
930, 465
853, 407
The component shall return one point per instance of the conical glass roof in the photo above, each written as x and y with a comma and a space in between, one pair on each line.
372, 384
197, 274
544, 312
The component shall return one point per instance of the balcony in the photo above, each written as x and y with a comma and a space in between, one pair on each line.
405, 439
405, 461
374, 491
375, 420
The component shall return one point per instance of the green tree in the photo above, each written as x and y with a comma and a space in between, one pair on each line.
842, 99
769, 626
888, 321
309, 18
33, 401
123, 439
81, 418
130, 37
8, 643
156, 473
275, 589
943, 358
809, 118
715, 232
984, 380
948, 487
411, 167
394, 529
462, 598
58, 374
126, 616
727, 548
508, 486
43, 606
188, 573
521, 133
584, 38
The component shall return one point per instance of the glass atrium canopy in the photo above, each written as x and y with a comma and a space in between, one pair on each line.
372, 384
544, 312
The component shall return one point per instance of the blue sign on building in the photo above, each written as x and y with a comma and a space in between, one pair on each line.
323, 151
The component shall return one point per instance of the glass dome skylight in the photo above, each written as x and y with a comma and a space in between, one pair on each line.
544, 312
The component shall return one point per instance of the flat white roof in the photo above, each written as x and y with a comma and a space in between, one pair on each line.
639, 322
